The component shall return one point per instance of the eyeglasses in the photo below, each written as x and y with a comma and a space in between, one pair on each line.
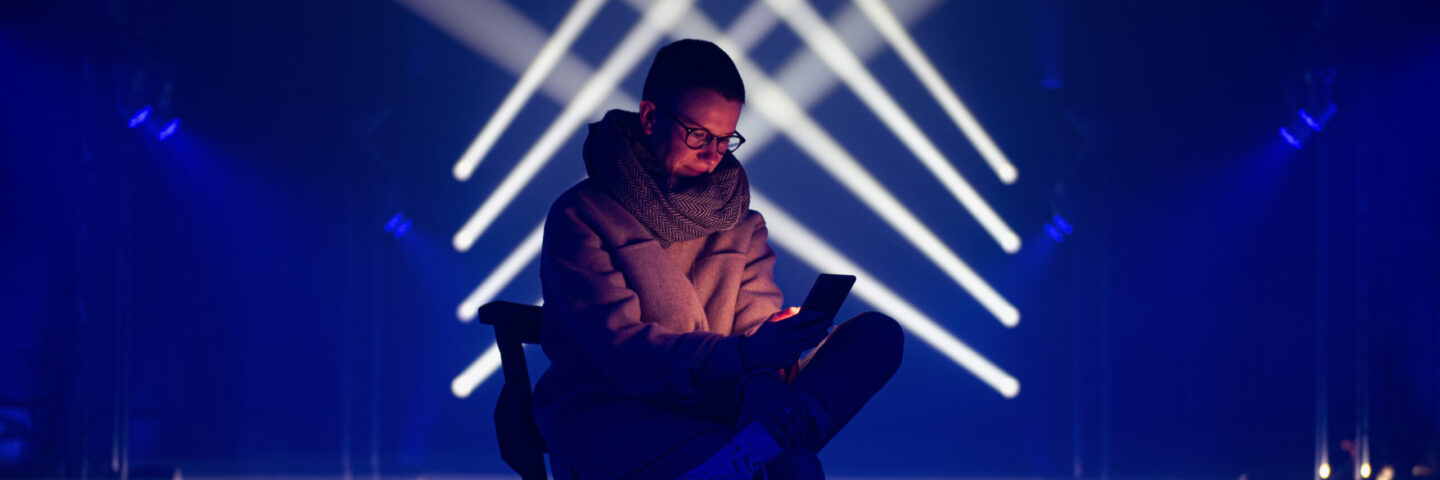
697, 138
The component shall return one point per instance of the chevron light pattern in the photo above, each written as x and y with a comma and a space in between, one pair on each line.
832, 54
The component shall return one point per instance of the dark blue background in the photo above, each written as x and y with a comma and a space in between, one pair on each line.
227, 302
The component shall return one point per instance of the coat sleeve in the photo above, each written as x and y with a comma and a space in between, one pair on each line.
757, 298
759, 295
601, 314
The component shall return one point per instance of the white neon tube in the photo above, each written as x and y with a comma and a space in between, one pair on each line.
806, 22
894, 32
509, 39
748, 29
816, 142
621, 61
794, 237
806, 79
479, 370
475, 374
550, 55
503, 274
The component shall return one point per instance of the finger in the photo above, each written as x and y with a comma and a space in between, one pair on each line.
806, 317
798, 343
807, 334
821, 328
784, 314
803, 319
806, 339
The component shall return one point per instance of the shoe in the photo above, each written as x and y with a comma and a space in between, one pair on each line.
741, 459
731, 463
797, 463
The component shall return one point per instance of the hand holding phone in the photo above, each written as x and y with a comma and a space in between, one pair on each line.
779, 342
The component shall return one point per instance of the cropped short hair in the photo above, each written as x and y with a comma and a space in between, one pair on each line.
689, 64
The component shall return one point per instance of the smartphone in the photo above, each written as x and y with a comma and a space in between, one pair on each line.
827, 294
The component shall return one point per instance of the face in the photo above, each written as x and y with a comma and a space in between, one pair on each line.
697, 108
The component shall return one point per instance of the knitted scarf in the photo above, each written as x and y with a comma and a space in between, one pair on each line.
673, 209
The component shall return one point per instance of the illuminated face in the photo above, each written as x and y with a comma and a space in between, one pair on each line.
698, 109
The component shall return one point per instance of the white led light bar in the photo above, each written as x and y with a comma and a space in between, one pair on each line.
823, 40
815, 252
550, 55
894, 32
631, 50
502, 275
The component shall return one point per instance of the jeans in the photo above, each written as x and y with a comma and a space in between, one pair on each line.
842, 373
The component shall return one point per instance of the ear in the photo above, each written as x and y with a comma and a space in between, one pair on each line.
647, 117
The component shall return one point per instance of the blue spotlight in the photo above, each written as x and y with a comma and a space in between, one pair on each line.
140, 116
1305, 125
1314, 122
1290, 138
1060, 223
398, 225
15, 428
394, 222
1310, 121
169, 129
1054, 233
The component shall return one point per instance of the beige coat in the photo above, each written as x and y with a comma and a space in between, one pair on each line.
643, 340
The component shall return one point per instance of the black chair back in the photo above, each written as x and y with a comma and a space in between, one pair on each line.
521, 445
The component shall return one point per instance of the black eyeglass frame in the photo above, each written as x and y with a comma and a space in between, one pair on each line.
709, 136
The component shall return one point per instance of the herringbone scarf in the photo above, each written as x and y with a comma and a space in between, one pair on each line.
674, 209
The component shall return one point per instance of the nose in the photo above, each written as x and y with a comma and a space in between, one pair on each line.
707, 151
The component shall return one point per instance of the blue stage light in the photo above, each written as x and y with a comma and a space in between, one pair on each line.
140, 116
1304, 125
404, 228
1316, 122
1289, 138
1060, 223
1054, 233
169, 129
1309, 120
394, 222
